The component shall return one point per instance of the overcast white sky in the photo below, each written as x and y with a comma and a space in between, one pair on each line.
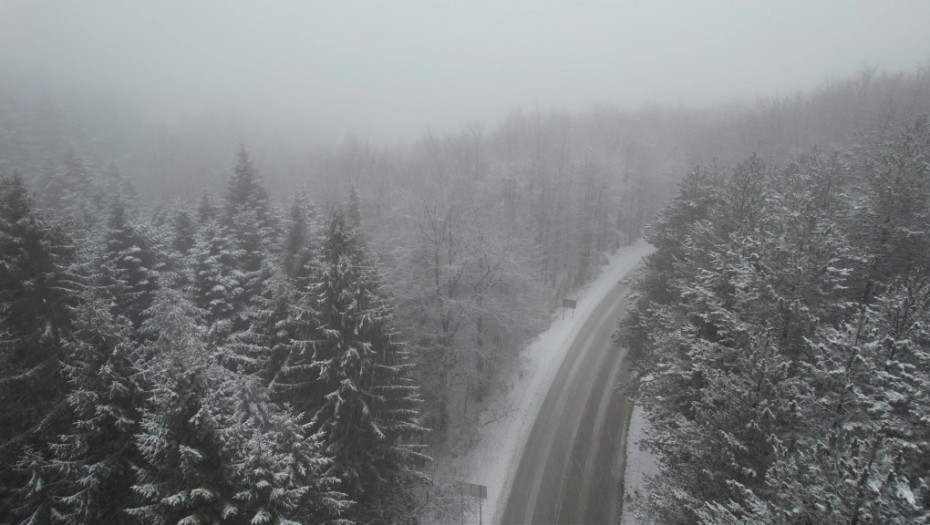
390, 70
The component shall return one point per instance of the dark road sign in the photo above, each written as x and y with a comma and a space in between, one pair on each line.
472, 490
569, 303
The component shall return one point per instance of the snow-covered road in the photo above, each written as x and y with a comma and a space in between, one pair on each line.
509, 419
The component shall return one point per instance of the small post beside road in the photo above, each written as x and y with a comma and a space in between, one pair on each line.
473, 491
569, 303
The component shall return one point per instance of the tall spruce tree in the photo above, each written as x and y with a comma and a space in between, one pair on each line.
130, 266
217, 282
246, 191
300, 236
185, 233
95, 457
184, 475
279, 469
262, 348
251, 226
205, 209
36, 295
68, 191
356, 376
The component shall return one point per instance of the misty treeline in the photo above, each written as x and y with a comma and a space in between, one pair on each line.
272, 341
782, 326
227, 357
477, 233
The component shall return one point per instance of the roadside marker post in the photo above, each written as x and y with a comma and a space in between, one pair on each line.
473, 491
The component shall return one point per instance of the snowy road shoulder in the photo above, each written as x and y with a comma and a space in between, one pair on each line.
640, 464
508, 419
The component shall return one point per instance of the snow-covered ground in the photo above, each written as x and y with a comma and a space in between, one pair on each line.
639, 464
509, 416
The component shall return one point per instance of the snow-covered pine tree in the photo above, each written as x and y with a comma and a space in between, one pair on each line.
214, 448
890, 212
256, 243
724, 318
36, 293
251, 226
94, 459
367, 413
246, 191
262, 348
217, 286
247, 213
205, 210
118, 186
872, 384
280, 469
184, 475
254, 239
185, 233
300, 236
860, 452
130, 266
354, 207
686, 214
720, 391
296, 381
67, 190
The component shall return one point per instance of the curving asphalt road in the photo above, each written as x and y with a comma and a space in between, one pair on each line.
571, 471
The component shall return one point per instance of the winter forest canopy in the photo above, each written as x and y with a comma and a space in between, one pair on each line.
204, 325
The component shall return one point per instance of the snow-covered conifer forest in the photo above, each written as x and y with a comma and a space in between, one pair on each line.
783, 328
217, 317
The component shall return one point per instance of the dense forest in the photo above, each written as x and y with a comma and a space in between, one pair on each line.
225, 372
782, 326
225, 355
195, 330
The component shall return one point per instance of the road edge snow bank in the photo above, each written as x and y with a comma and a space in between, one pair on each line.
640, 465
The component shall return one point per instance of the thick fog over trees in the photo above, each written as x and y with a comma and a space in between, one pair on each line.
261, 264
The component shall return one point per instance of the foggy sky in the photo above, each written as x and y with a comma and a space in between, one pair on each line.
392, 70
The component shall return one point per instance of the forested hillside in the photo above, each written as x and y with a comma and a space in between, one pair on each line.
270, 360
782, 326
281, 335
477, 233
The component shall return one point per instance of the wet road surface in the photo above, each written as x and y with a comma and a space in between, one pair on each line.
572, 467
